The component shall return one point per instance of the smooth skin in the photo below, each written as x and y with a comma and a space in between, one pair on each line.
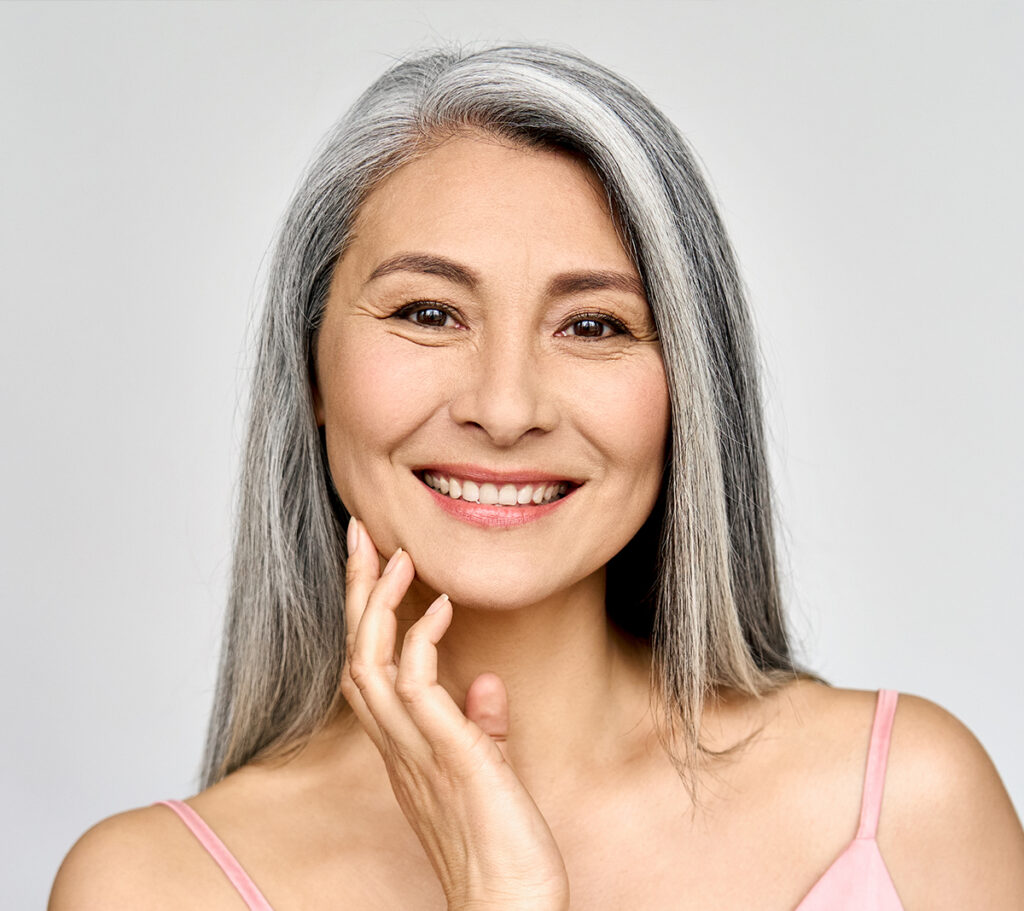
499, 753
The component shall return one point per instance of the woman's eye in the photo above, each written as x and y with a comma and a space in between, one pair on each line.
594, 327
429, 315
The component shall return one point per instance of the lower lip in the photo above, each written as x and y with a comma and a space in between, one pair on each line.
494, 516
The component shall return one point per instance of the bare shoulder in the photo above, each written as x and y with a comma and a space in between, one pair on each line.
934, 752
948, 830
140, 858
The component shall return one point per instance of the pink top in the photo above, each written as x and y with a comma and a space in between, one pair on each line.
857, 879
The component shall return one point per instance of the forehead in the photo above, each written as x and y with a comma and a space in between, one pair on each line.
480, 197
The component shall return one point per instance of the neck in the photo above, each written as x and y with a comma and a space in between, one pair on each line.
577, 687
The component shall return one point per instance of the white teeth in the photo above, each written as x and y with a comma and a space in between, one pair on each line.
490, 494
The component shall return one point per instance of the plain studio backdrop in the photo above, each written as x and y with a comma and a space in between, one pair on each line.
866, 157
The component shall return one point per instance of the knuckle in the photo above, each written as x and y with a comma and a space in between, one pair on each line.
409, 691
360, 671
348, 687
415, 636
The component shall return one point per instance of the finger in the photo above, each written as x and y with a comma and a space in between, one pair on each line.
372, 663
378, 626
362, 570
358, 705
451, 735
418, 665
426, 701
487, 706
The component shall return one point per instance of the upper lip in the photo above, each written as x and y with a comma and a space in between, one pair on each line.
488, 476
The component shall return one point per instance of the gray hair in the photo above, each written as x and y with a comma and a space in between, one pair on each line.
699, 581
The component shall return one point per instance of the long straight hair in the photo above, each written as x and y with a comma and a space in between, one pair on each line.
698, 582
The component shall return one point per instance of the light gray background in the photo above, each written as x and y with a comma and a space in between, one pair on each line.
867, 160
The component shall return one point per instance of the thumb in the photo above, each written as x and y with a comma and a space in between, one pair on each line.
487, 706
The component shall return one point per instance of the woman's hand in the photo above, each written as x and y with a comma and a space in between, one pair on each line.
488, 842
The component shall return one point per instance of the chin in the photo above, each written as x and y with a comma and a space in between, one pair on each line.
492, 589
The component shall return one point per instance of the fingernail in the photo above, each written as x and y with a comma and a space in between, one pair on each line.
437, 605
353, 536
392, 562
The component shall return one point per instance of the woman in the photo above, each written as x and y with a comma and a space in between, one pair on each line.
506, 348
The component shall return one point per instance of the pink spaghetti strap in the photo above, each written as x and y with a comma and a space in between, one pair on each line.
878, 756
218, 851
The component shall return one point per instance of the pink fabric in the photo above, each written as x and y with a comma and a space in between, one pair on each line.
857, 880
218, 851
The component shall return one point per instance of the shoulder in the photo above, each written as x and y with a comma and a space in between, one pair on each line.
934, 762
140, 858
938, 770
929, 745
948, 830
933, 751
114, 860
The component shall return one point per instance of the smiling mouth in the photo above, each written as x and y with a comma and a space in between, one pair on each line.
488, 494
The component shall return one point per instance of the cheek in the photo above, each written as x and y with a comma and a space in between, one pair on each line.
628, 411
378, 390
374, 381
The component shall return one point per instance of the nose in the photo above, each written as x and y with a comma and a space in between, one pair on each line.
505, 389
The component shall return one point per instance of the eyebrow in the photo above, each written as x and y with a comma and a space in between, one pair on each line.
560, 286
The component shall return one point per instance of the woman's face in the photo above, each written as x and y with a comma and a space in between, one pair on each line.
486, 327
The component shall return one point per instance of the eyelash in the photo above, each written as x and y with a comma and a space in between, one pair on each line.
590, 315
